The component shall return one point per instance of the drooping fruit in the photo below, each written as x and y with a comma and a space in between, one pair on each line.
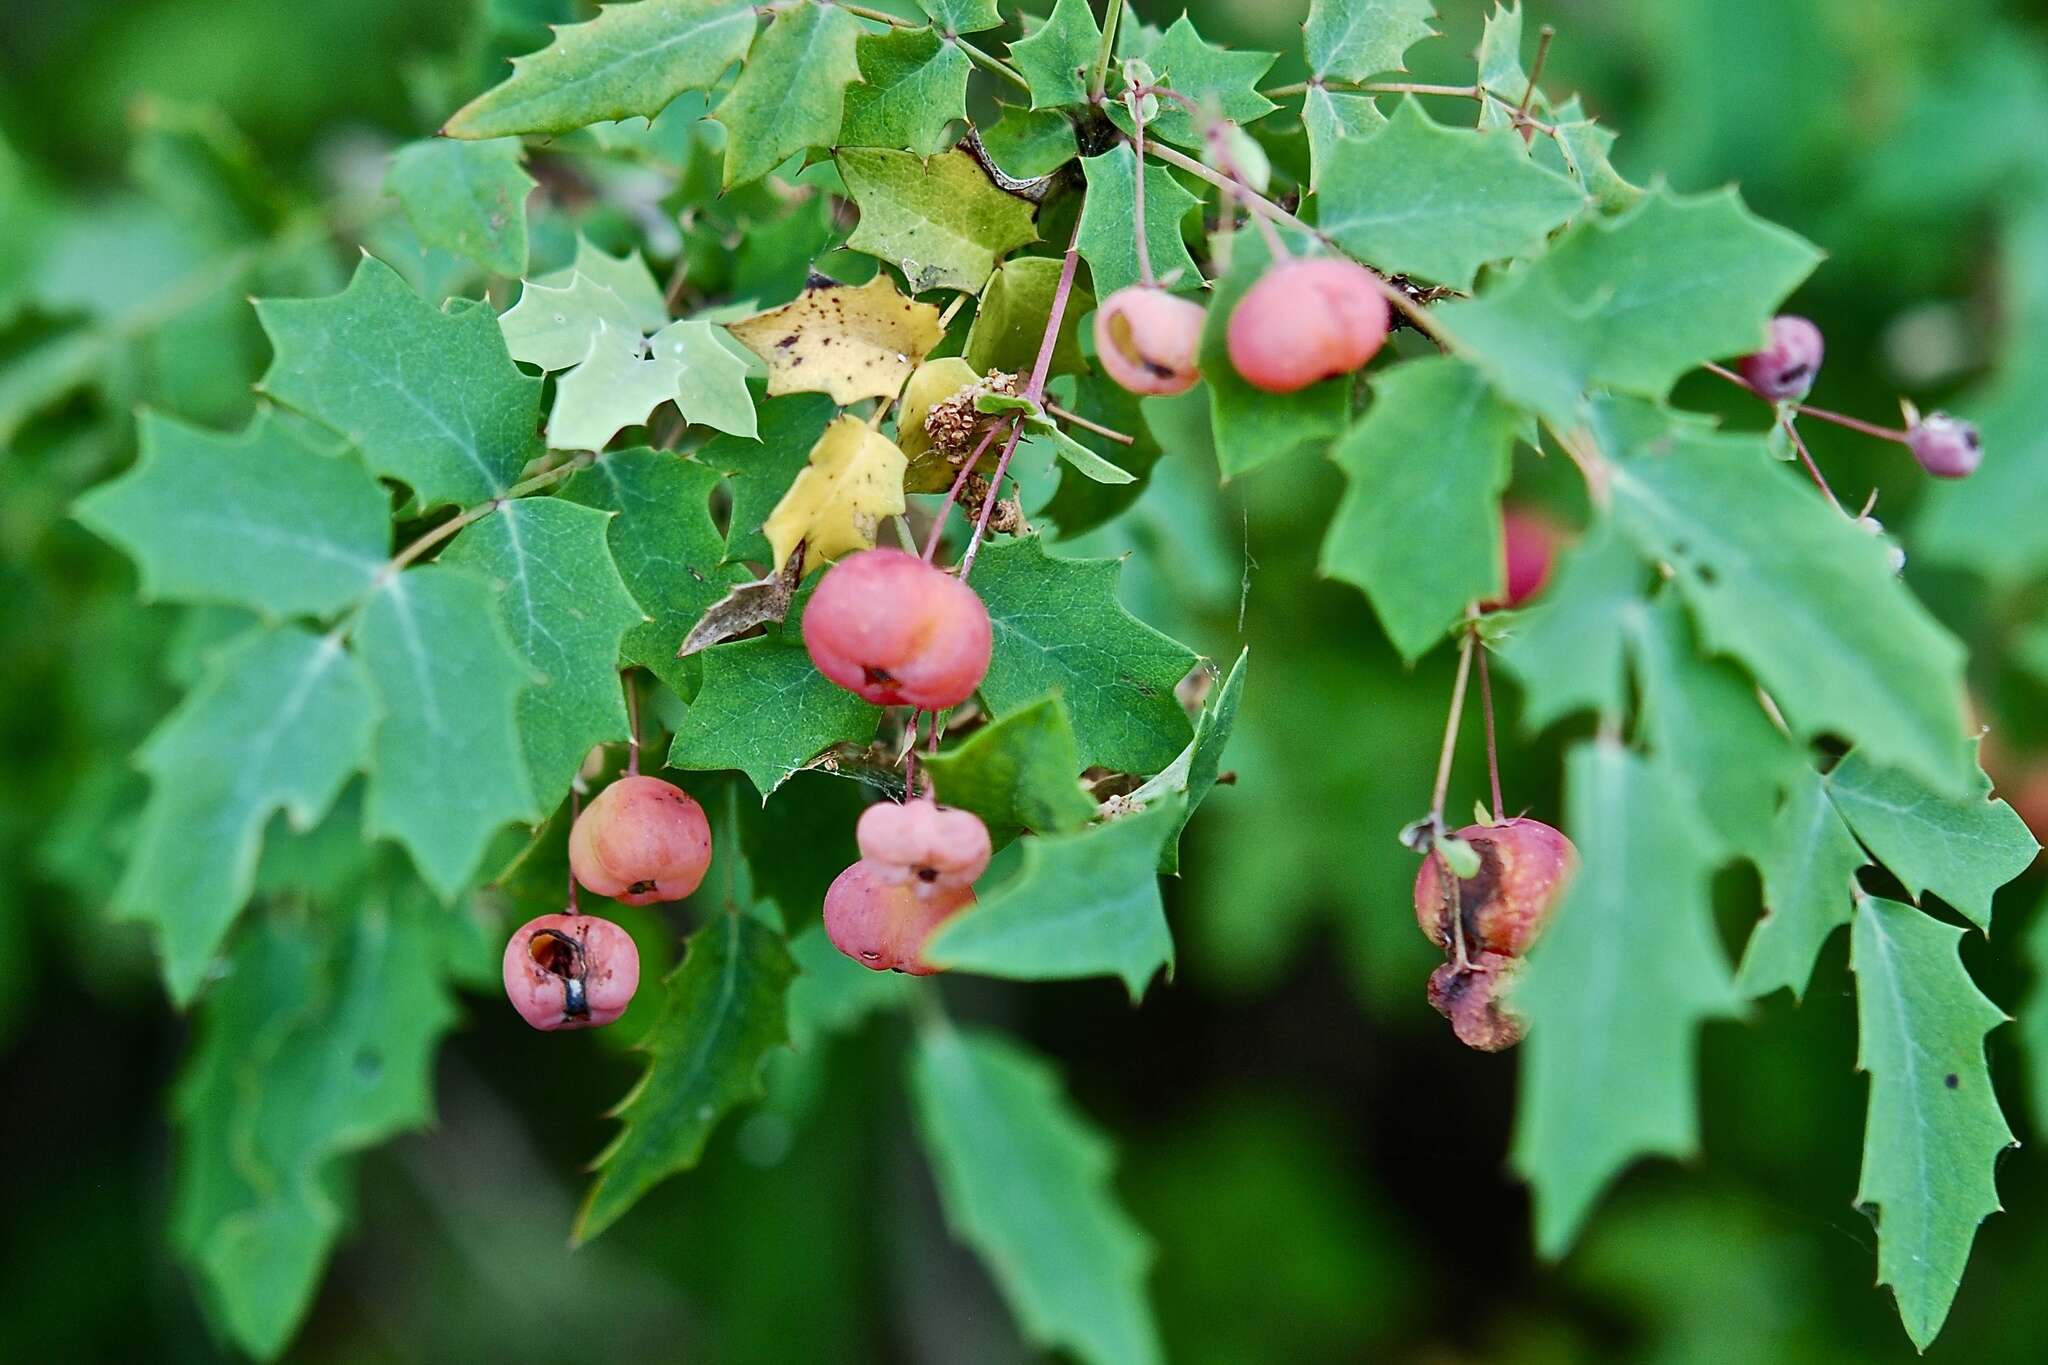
1307, 320
1946, 447
571, 971
883, 920
1148, 340
891, 628
929, 846
1786, 368
641, 841
1523, 867
1473, 999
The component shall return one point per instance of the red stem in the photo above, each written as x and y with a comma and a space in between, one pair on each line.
1492, 750
988, 504
1806, 458
1840, 419
931, 544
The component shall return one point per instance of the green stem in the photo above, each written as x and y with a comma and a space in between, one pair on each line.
1098, 81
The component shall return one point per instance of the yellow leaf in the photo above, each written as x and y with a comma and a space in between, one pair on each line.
854, 479
851, 343
934, 382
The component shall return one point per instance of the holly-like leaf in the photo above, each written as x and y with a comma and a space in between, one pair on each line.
1616, 992
1809, 867
726, 1010
1500, 63
1189, 779
761, 472
1010, 321
1330, 118
1025, 1181
1226, 78
1353, 40
468, 198
1934, 1134
1843, 647
913, 87
1418, 528
1422, 199
853, 480
851, 342
791, 92
765, 709
939, 219
1023, 772
963, 16
1604, 306
1058, 56
430, 398
1106, 239
631, 60
554, 326
265, 519
834, 994
568, 610
1962, 849
449, 770
1584, 146
1058, 628
1569, 650
1252, 427
281, 721
626, 276
1028, 143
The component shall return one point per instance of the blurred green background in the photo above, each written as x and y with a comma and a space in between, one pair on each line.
1318, 1162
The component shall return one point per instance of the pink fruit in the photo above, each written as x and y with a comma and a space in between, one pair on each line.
571, 971
1529, 543
929, 846
1307, 320
891, 628
641, 841
1472, 999
1785, 369
1946, 447
1523, 867
1148, 340
883, 921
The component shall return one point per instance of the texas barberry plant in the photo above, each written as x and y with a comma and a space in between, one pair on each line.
729, 390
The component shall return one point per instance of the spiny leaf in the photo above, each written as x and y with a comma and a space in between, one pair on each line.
430, 398
466, 197
1252, 427
1010, 320
1106, 240
1569, 649
1934, 1134
554, 326
626, 276
1028, 143
265, 519
1058, 628
1418, 527
851, 342
939, 219
1189, 779
1809, 868
765, 709
791, 92
834, 994
1023, 772
913, 87
1353, 40
1205, 73
726, 1010
1057, 57
280, 722
1330, 117
853, 480
630, 60
1026, 1182
963, 16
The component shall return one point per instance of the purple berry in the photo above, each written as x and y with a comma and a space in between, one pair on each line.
1785, 369
1946, 447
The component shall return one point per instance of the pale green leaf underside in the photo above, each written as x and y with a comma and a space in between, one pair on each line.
1329, 117
1352, 40
1808, 870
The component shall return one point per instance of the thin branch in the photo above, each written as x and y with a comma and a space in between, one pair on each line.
1840, 419
1543, 38
1077, 420
1492, 748
1450, 746
1138, 189
1806, 458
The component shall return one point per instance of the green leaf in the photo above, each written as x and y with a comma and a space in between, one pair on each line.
835, 994
1963, 849
913, 87
1025, 1181
626, 276
1422, 199
466, 197
1330, 117
762, 472
1604, 305
1056, 59
1028, 143
264, 519
568, 610
726, 1011
1809, 867
1208, 74
1010, 321
1192, 776
1569, 650
449, 771
1616, 992
766, 710
1023, 772
1934, 1134
1500, 62
940, 219
791, 92
963, 16
1353, 40
430, 398
1252, 427
1418, 528
1110, 207
1058, 628
318, 1043
280, 722
1078, 457
1584, 146
555, 326
1842, 648
630, 60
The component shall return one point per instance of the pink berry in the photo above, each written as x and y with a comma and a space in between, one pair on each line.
1472, 999
1148, 340
1523, 867
1528, 542
1946, 447
571, 971
1307, 320
641, 841
893, 629
928, 846
1785, 369
883, 921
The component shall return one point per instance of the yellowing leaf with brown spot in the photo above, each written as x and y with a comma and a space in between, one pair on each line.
847, 341
854, 479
